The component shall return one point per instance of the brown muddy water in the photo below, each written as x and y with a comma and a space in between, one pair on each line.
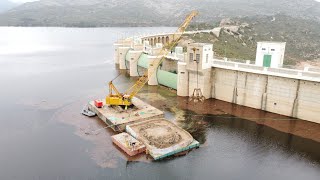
48, 74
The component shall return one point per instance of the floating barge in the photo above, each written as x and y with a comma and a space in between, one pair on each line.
162, 138
146, 128
117, 118
128, 144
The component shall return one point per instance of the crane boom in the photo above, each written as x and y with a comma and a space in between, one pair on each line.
125, 99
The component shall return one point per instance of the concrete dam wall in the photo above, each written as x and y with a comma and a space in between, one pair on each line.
286, 96
283, 92
292, 93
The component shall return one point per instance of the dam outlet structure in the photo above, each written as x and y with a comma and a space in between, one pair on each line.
264, 85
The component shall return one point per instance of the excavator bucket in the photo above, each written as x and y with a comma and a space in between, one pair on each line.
197, 96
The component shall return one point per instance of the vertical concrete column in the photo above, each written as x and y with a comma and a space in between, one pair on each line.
186, 57
213, 83
265, 96
146, 46
122, 56
134, 58
138, 47
295, 102
205, 83
116, 53
156, 51
146, 43
235, 90
201, 80
152, 70
183, 81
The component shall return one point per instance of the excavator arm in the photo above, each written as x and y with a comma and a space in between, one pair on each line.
113, 88
125, 99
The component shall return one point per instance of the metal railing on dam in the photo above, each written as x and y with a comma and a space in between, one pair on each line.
281, 72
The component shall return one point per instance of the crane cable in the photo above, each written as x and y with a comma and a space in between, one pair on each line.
115, 77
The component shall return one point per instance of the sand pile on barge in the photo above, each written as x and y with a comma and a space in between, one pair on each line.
161, 137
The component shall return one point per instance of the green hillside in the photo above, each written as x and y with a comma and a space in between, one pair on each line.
302, 37
100, 13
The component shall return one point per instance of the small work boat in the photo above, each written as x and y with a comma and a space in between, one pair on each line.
87, 112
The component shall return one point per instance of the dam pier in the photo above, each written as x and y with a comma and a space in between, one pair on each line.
264, 85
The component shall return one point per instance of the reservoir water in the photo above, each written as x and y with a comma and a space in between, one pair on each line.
48, 74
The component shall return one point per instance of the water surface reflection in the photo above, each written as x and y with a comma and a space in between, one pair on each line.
43, 135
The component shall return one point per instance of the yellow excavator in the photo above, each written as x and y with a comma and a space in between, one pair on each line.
115, 98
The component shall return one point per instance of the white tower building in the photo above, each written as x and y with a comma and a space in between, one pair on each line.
270, 54
195, 72
201, 54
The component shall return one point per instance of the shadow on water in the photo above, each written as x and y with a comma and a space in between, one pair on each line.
199, 125
255, 127
196, 126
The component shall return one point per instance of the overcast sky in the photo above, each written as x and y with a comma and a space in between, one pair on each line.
22, 1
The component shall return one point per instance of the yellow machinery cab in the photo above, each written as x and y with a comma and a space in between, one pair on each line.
118, 101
